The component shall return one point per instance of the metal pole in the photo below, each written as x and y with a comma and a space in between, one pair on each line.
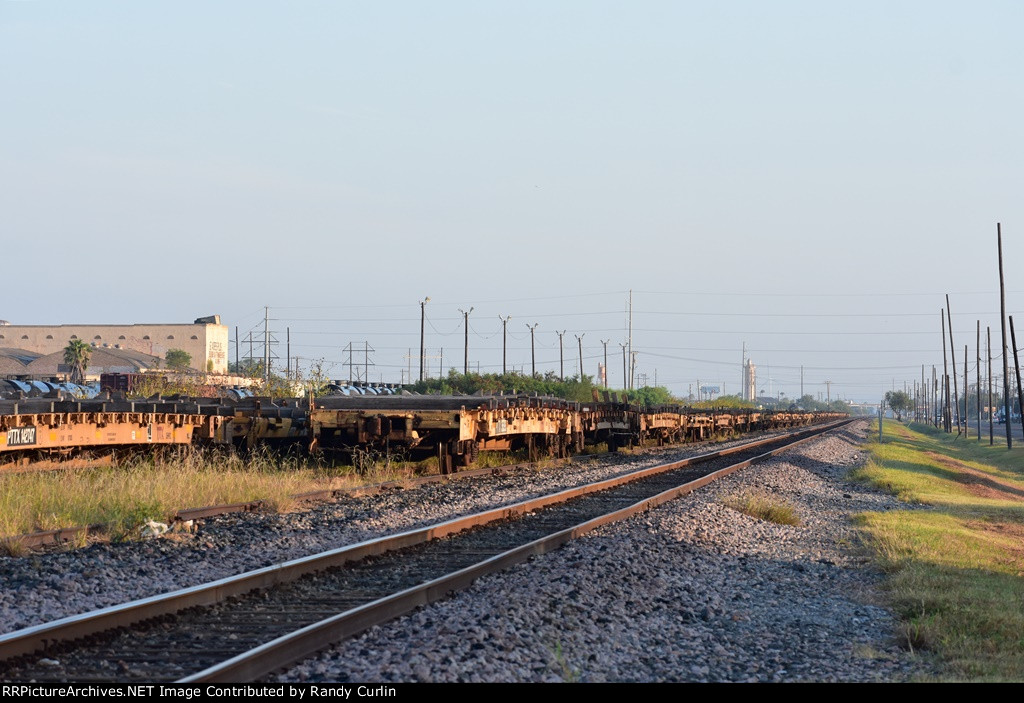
881, 414
1002, 322
533, 353
423, 317
465, 361
238, 369
561, 361
504, 341
579, 339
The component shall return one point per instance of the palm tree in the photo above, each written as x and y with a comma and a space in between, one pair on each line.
76, 355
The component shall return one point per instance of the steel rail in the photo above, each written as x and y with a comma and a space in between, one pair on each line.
39, 637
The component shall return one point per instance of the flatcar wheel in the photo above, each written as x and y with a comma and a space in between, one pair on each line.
444, 459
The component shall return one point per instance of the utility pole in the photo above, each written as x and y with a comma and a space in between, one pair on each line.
238, 369
801, 380
946, 410
579, 340
504, 341
1002, 322
288, 353
952, 356
465, 363
605, 343
1016, 365
561, 360
632, 367
533, 353
423, 317
977, 378
828, 390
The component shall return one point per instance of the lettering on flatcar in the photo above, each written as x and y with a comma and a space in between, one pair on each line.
21, 436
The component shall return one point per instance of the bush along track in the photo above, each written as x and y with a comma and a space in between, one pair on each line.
955, 555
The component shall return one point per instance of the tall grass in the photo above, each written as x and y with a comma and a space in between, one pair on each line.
125, 496
764, 507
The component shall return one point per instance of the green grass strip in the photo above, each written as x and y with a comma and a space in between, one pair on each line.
956, 563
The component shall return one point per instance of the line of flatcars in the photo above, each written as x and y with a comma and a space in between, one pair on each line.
453, 428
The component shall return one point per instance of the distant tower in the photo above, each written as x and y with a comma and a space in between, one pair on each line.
749, 381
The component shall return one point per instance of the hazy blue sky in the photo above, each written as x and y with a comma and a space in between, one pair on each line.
808, 177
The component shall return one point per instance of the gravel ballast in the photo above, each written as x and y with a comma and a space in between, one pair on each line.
43, 587
693, 591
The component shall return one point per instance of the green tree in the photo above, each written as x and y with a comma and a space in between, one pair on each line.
900, 403
76, 356
178, 359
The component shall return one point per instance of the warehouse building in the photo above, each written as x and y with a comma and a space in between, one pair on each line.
205, 340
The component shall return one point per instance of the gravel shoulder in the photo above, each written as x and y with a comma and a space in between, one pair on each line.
693, 591
43, 587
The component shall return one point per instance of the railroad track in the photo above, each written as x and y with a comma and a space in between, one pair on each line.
244, 627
